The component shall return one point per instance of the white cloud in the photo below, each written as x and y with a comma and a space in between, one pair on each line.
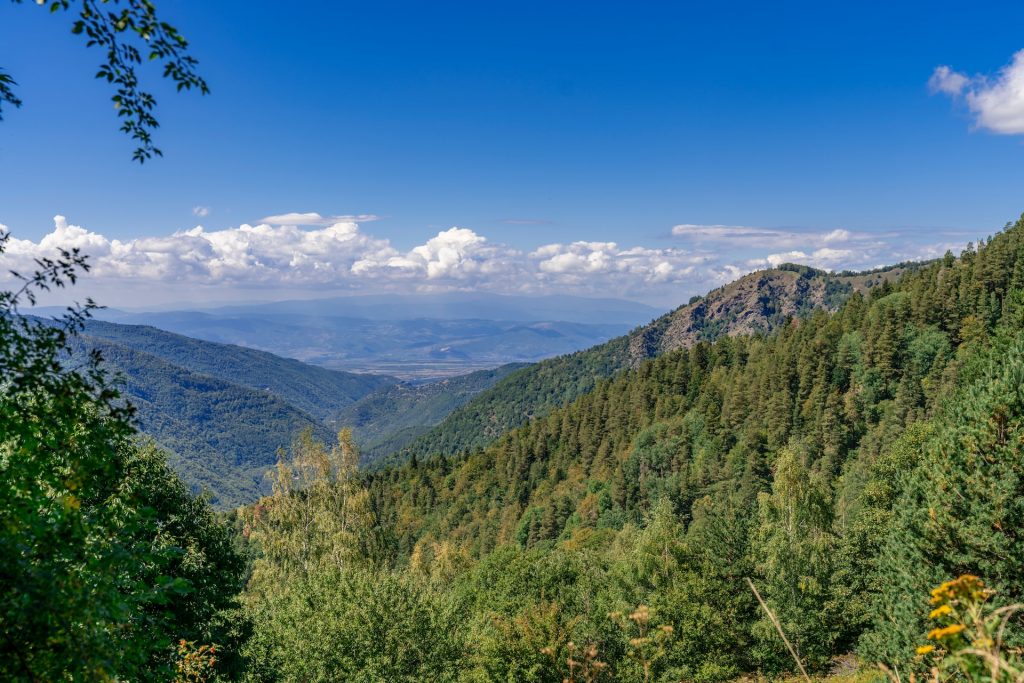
945, 80
315, 219
997, 103
201, 211
745, 236
748, 248
267, 259
824, 258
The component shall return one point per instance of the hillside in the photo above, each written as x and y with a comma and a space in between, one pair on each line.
846, 465
755, 303
394, 415
320, 392
222, 436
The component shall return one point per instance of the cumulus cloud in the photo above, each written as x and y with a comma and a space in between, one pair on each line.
824, 258
995, 102
281, 256
201, 211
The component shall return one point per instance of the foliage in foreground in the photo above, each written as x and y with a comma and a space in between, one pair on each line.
127, 33
105, 558
968, 640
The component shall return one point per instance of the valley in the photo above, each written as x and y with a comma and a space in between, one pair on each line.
225, 410
441, 336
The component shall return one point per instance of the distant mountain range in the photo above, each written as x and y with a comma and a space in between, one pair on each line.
455, 306
413, 338
410, 349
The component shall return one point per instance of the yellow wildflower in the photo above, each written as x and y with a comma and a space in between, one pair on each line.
940, 612
925, 649
940, 633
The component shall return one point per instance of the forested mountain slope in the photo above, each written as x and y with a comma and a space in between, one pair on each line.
845, 462
394, 415
755, 303
315, 390
222, 437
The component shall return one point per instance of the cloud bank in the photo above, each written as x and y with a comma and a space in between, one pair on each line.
329, 255
996, 102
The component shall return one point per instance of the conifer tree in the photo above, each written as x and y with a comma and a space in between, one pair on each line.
961, 508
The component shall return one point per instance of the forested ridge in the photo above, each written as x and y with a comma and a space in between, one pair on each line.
805, 459
846, 463
221, 437
222, 411
392, 416
317, 391
755, 303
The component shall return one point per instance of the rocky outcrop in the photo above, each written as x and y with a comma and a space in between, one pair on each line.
755, 303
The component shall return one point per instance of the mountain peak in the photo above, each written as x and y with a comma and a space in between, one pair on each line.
756, 303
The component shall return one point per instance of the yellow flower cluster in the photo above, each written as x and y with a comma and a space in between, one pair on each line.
967, 587
948, 600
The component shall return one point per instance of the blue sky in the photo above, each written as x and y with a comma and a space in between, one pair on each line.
529, 125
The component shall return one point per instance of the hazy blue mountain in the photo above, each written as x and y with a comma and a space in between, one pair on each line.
461, 306
420, 348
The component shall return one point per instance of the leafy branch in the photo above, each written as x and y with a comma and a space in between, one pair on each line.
130, 32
